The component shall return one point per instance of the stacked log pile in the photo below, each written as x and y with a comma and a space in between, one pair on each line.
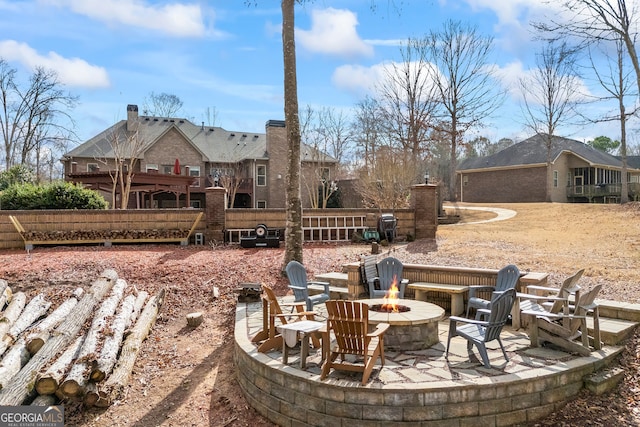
83, 349
43, 236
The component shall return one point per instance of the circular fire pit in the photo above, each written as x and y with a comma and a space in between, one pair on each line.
388, 308
413, 329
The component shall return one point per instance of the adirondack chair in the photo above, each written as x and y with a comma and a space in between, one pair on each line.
348, 321
480, 332
298, 283
269, 337
389, 271
369, 272
546, 299
507, 279
565, 329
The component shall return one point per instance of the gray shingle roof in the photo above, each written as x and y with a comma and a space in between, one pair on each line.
215, 143
533, 151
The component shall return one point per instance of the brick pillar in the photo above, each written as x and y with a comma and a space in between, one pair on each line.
215, 200
424, 202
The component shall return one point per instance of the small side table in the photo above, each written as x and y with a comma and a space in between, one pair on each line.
298, 331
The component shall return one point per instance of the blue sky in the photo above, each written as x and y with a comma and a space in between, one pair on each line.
226, 55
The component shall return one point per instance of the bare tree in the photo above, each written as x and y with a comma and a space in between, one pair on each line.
467, 86
616, 84
162, 105
387, 183
34, 116
550, 95
592, 21
125, 149
230, 176
318, 130
406, 99
367, 131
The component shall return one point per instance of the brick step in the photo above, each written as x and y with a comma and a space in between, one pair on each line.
613, 331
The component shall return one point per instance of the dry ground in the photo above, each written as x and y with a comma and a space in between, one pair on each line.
185, 377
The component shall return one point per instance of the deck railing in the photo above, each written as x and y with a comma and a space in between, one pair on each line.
604, 191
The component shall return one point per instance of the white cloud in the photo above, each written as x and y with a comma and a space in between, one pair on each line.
70, 71
333, 32
358, 79
175, 19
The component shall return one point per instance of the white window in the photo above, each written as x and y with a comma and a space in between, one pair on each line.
195, 171
261, 204
92, 167
555, 179
465, 179
324, 173
151, 167
568, 179
261, 175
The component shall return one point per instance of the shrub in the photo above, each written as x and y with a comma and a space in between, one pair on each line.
58, 195
18, 174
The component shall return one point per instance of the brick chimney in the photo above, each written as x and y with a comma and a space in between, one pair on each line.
132, 118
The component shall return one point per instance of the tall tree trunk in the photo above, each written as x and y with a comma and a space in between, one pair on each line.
293, 233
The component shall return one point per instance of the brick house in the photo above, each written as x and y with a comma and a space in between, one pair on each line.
251, 166
579, 173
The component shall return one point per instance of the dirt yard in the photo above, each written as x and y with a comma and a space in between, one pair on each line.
185, 377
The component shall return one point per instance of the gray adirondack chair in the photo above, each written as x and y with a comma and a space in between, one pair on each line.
298, 283
480, 332
389, 270
507, 279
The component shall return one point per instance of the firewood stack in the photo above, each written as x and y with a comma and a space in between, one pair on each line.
83, 349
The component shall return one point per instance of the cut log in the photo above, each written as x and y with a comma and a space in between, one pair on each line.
93, 397
137, 307
40, 332
13, 311
5, 293
37, 307
111, 346
44, 400
78, 375
22, 384
195, 319
13, 361
49, 381
116, 383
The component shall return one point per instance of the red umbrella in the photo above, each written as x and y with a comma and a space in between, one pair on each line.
176, 167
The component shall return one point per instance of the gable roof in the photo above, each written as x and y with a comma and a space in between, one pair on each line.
216, 144
533, 152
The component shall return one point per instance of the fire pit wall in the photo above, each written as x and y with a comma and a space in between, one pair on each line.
407, 338
289, 396
464, 276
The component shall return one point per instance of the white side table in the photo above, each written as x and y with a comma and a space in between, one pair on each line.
298, 331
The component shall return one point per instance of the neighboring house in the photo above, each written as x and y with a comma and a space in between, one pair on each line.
251, 166
578, 172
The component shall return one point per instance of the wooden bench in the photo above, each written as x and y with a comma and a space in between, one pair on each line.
335, 292
456, 292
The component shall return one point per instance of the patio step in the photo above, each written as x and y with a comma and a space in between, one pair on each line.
613, 331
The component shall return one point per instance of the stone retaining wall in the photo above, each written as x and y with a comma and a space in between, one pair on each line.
291, 397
